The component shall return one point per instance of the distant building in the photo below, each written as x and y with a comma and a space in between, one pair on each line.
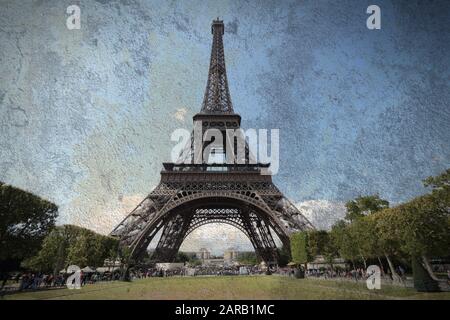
230, 255
203, 254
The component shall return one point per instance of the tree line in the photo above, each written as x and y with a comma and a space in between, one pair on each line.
413, 232
72, 245
25, 220
30, 240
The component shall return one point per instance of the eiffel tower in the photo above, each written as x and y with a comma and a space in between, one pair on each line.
192, 193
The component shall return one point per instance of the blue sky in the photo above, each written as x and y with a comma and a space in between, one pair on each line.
86, 115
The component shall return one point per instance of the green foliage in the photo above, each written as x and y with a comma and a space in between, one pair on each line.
330, 250
182, 257
425, 227
418, 228
189, 257
362, 206
25, 220
299, 248
70, 244
194, 261
317, 242
366, 238
52, 255
344, 239
125, 254
387, 228
284, 256
248, 258
321, 242
440, 182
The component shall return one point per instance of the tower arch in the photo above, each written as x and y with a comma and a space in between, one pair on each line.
181, 219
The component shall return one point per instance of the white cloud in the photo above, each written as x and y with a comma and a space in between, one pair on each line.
180, 114
322, 213
103, 216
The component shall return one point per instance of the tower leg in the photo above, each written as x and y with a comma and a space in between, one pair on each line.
172, 236
260, 236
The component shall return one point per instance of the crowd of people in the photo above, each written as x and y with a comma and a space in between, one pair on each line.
355, 274
216, 270
201, 270
35, 281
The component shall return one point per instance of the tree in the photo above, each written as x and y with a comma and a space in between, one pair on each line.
440, 183
299, 248
52, 256
330, 251
437, 204
370, 237
248, 258
320, 242
361, 232
344, 241
418, 228
181, 257
387, 225
68, 244
284, 256
317, 241
25, 220
425, 229
78, 249
364, 205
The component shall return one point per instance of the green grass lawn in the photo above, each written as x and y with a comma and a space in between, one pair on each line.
229, 287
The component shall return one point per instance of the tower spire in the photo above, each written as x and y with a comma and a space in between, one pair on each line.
217, 95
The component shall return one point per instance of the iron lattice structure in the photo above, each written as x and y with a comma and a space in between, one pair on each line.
190, 195
217, 95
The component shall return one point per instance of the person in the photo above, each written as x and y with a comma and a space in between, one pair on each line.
390, 274
401, 272
355, 274
36, 281
23, 282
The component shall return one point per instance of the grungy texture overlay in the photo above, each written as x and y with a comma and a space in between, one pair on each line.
86, 115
